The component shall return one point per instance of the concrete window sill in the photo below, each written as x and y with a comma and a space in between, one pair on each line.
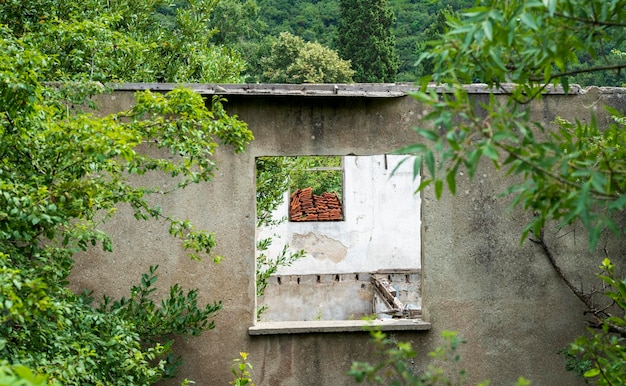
303, 327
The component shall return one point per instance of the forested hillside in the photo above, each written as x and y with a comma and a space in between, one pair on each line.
317, 20
253, 26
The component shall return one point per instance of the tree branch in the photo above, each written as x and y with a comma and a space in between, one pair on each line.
581, 71
608, 381
540, 240
592, 22
556, 177
600, 315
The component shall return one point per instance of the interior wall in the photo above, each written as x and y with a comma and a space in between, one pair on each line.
380, 229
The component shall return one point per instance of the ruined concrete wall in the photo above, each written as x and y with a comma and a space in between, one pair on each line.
502, 297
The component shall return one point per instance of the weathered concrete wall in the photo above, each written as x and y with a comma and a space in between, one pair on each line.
502, 297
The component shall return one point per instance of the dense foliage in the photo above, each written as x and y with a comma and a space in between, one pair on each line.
570, 171
416, 22
64, 172
292, 60
250, 27
318, 21
311, 20
600, 355
395, 366
365, 38
123, 41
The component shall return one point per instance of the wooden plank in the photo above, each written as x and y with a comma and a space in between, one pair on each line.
384, 290
387, 292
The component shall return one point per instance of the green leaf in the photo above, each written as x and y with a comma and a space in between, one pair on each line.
472, 161
490, 151
417, 166
429, 160
430, 135
565, 84
504, 135
618, 204
496, 56
594, 372
488, 29
528, 20
451, 180
415, 148
621, 286
551, 5
423, 184
438, 188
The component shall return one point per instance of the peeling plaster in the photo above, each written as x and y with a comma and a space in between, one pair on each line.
320, 247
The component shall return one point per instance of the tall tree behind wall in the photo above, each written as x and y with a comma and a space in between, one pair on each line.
308, 19
317, 20
365, 38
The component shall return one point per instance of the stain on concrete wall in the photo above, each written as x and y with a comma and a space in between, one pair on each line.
320, 247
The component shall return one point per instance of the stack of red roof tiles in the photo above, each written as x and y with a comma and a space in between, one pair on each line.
306, 206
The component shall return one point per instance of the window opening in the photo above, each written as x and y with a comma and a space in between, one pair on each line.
367, 263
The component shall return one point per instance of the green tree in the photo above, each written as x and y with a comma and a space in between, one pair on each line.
311, 20
236, 22
416, 23
292, 60
365, 38
431, 34
64, 173
569, 172
124, 41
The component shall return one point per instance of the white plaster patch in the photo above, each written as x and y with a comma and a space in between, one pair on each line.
321, 247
